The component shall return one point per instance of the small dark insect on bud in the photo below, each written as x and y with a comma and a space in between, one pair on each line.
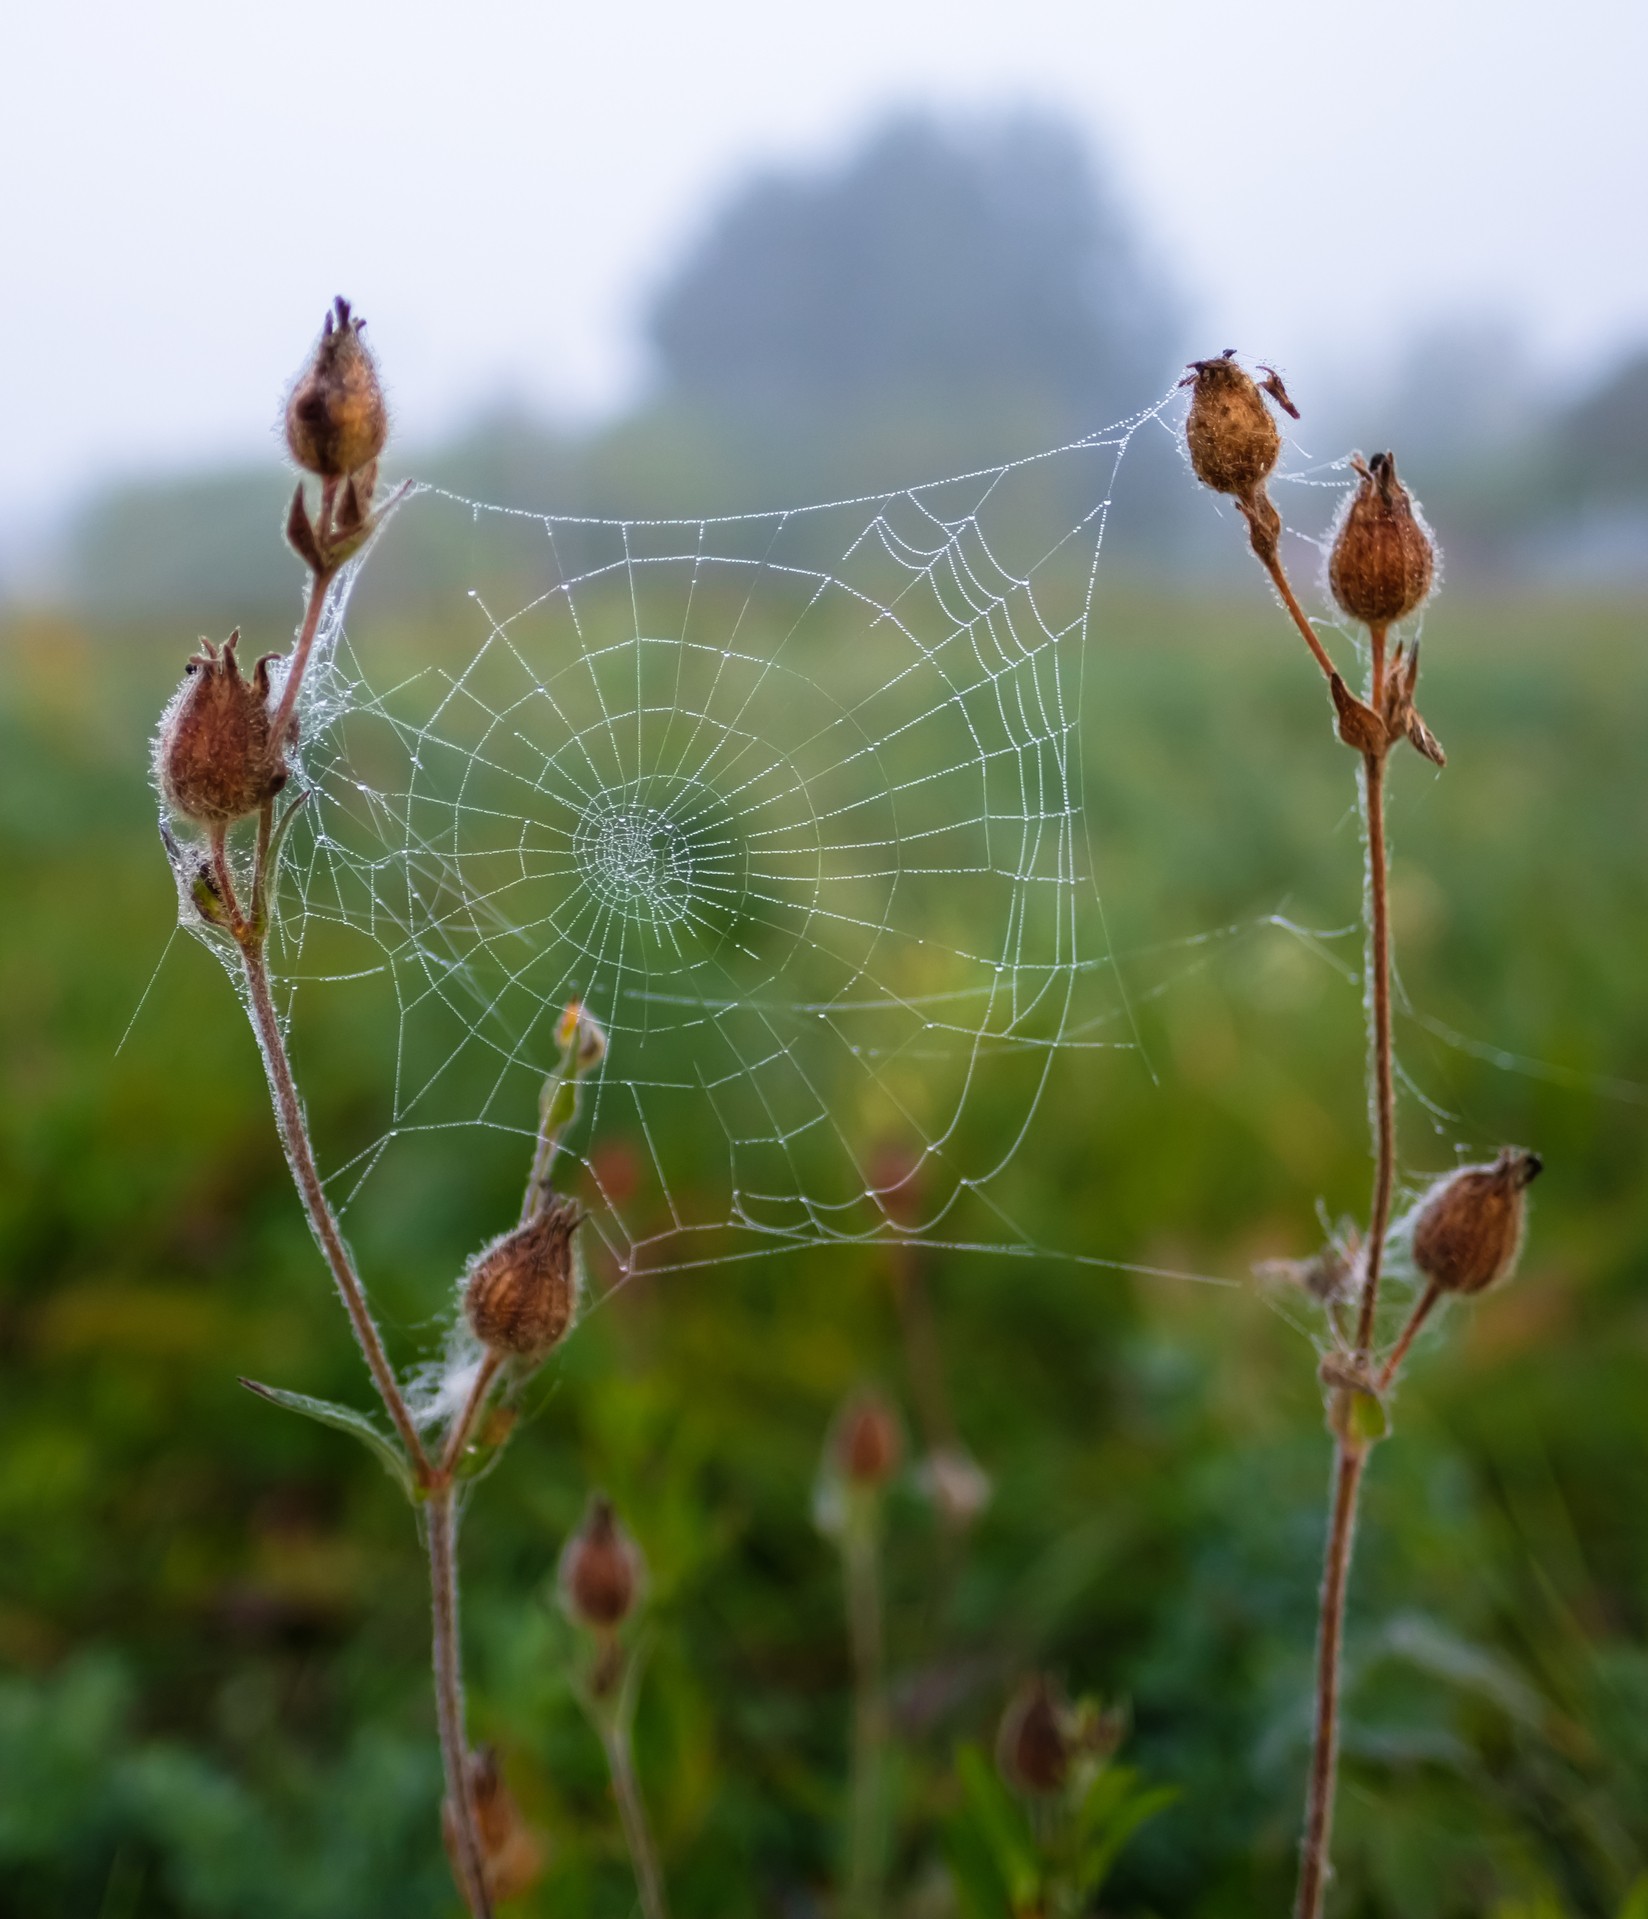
1234, 441
1383, 561
522, 1290
1468, 1229
868, 1443
601, 1570
1032, 1749
336, 420
512, 1854
215, 760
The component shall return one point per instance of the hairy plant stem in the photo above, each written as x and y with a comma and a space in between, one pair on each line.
435, 1483
1279, 579
1416, 1319
1314, 1869
632, 1811
861, 1554
441, 1540
1350, 1456
320, 585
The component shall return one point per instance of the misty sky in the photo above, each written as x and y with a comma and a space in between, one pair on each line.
499, 185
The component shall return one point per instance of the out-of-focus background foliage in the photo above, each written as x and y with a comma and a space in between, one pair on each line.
212, 1617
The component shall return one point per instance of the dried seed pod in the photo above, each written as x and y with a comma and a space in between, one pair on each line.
1468, 1229
512, 1854
1233, 439
336, 420
1383, 560
215, 759
522, 1290
1033, 1750
601, 1570
868, 1442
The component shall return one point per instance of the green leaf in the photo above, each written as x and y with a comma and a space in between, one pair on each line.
347, 1420
1636, 1901
1002, 1824
1100, 1853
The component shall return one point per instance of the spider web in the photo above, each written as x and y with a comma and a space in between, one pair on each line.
791, 801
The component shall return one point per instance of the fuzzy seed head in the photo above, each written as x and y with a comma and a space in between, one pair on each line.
336, 420
1032, 1751
522, 1290
601, 1570
1383, 561
1233, 439
215, 758
869, 1443
1467, 1232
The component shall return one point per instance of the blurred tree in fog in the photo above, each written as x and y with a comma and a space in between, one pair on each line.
974, 283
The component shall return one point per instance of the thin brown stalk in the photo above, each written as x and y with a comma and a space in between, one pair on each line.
632, 1811
441, 1539
1381, 1062
1279, 579
294, 1137
319, 585
458, 1437
1314, 1870
1416, 1319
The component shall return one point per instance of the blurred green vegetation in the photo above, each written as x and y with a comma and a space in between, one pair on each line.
212, 1615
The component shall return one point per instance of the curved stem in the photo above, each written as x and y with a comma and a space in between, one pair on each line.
441, 1538
1380, 1062
319, 585
1279, 580
626, 1789
458, 1437
1420, 1313
1314, 1868
294, 1137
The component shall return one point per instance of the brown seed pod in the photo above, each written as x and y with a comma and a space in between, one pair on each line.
215, 760
1383, 561
869, 1443
1468, 1229
522, 1290
336, 420
601, 1570
1233, 439
1032, 1749
512, 1854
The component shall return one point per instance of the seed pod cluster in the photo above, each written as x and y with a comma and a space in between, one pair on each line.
1468, 1230
215, 758
1383, 561
601, 1570
522, 1291
336, 419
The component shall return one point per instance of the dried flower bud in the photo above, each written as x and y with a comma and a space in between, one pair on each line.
336, 420
868, 1443
215, 760
1032, 1749
512, 1854
581, 1036
522, 1290
1234, 442
1468, 1229
601, 1570
1383, 561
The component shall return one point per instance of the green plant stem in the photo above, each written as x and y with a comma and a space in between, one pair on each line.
1314, 1869
862, 1561
441, 1541
632, 1811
